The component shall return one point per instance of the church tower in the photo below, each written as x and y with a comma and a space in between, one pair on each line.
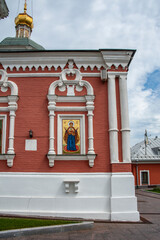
22, 41
24, 24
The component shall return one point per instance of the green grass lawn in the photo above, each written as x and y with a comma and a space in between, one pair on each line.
17, 223
156, 190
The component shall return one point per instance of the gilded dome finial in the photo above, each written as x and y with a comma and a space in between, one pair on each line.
24, 23
25, 7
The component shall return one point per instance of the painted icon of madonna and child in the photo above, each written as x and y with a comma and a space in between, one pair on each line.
71, 136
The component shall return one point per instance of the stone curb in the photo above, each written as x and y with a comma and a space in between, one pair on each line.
45, 230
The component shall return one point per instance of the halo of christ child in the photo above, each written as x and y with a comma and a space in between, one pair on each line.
71, 137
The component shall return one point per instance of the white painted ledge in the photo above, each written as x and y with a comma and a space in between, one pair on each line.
9, 158
88, 157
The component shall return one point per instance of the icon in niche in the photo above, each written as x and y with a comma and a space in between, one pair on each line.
71, 136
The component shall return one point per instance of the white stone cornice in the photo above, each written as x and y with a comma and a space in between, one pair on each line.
117, 57
49, 74
98, 59
52, 59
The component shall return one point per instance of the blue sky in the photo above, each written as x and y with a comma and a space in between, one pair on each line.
153, 82
94, 24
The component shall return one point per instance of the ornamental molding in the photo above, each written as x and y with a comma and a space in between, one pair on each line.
113, 74
65, 83
5, 84
11, 108
117, 57
71, 85
69, 182
98, 58
88, 157
49, 74
49, 60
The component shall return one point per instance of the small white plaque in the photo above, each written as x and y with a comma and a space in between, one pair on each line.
31, 145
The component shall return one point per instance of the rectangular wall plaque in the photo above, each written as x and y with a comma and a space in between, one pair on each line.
31, 145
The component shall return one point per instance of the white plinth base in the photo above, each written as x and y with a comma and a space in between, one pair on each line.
100, 195
123, 200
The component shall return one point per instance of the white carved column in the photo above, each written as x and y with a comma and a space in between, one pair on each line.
90, 133
12, 107
90, 108
51, 132
112, 107
124, 117
51, 108
11, 133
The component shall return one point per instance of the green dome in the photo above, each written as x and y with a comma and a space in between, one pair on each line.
19, 44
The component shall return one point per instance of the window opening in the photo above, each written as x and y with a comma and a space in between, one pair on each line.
145, 178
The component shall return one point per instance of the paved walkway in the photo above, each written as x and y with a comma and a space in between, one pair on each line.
149, 229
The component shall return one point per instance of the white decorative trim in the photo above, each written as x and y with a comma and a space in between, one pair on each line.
88, 157
113, 130
80, 117
3, 99
63, 82
4, 128
48, 74
4, 109
69, 182
52, 59
117, 58
141, 171
71, 157
70, 109
54, 174
98, 58
104, 75
12, 107
78, 85
125, 130
70, 99
9, 158
4, 83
